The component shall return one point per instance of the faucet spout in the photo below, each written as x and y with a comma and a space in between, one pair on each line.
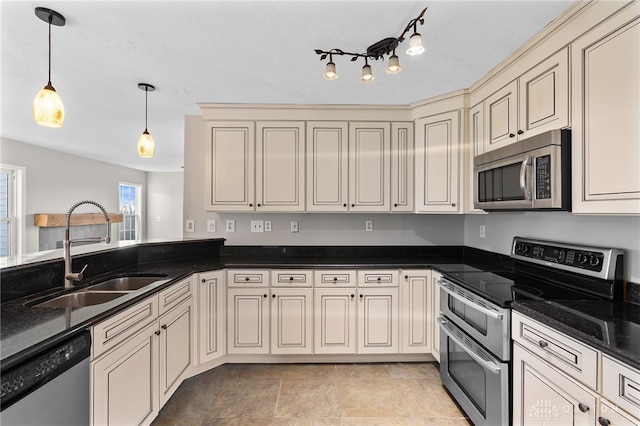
69, 276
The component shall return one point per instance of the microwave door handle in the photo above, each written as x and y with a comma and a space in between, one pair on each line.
483, 362
523, 177
487, 312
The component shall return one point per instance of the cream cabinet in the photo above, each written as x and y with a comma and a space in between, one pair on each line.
611, 415
378, 317
605, 65
230, 166
437, 155
402, 167
435, 313
621, 388
291, 320
369, 166
211, 316
334, 310
535, 102
248, 320
280, 166
416, 315
157, 350
544, 395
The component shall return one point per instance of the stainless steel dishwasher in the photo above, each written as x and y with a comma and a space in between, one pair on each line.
50, 388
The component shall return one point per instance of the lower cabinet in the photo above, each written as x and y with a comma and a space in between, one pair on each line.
416, 317
435, 313
134, 379
378, 320
335, 320
248, 320
211, 316
291, 320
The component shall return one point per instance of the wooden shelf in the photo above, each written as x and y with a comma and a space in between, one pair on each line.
50, 220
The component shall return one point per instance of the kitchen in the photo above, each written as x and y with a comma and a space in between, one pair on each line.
405, 229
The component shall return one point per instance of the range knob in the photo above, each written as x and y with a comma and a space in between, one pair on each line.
582, 258
594, 261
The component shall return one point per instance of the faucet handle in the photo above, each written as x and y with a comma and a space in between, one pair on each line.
76, 276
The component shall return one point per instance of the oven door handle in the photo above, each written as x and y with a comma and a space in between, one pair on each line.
487, 312
523, 177
492, 367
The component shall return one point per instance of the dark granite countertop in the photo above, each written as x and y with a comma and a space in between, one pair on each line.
611, 327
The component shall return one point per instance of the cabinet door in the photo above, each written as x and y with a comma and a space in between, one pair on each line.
176, 347
327, 166
211, 314
378, 320
543, 395
402, 167
119, 400
369, 167
435, 313
230, 166
605, 109
416, 312
335, 321
291, 320
611, 415
476, 130
280, 155
247, 321
437, 157
544, 96
501, 113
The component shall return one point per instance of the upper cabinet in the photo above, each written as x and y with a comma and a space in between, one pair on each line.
230, 166
402, 177
535, 102
605, 65
437, 163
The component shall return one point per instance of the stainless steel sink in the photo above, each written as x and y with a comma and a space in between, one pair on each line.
80, 299
126, 283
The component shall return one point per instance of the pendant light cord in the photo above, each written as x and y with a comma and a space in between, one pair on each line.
50, 21
146, 97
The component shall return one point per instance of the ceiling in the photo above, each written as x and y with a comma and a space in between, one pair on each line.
232, 52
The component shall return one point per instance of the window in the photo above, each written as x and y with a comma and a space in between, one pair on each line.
11, 221
130, 196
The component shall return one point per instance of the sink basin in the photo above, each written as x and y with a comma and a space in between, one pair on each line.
80, 299
126, 283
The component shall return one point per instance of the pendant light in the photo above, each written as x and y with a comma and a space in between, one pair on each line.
330, 72
48, 109
367, 75
146, 145
415, 43
394, 64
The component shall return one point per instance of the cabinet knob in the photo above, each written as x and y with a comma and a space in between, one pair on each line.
204, 281
335, 278
273, 295
250, 205
353, 205
157, 333
543, 344
453, 204
246, 279
163, 326
603, 421
379, 279
290, 278
353, 295
264, 295
361, 296
344, 205
395, 205
511, 135
406, 277
582, 407
259, 205
520, 132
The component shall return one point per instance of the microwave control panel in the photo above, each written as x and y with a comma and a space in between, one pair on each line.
543, 177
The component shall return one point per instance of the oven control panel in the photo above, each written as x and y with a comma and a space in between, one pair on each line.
33, 373
594, 261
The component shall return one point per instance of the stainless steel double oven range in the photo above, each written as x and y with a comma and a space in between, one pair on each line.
475, 315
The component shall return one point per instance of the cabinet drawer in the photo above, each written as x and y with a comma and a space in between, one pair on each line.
238, 278
621, 384
335, 278
614, 416
574, 358
116, 329
175, 294
377, 278
295, 278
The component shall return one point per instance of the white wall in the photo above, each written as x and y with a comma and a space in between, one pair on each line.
164, 205
55, 181
608, 231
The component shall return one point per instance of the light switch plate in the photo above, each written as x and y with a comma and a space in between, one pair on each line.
482, 231
211, 225
368, 225
230, 225
190, 225
294, 226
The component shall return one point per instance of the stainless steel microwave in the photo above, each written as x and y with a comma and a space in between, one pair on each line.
531, 174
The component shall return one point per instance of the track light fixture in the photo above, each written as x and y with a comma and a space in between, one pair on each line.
146, 145
48, 109
377, 51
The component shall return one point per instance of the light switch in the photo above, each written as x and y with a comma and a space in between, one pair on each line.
211, 225
190, 225
230, 225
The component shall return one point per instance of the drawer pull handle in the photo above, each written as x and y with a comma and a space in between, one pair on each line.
290, 278
543, 344
164, 326
246, 279
157, 333
379, 278
603, 421
335, 278
582, 407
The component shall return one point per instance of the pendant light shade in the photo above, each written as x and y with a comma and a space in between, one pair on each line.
367, 75
146, 145
394, 65
415, 45
48, 109
330, 72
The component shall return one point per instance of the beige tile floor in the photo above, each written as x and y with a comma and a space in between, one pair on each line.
313, 394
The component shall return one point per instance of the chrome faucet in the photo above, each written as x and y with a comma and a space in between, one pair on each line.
69, 276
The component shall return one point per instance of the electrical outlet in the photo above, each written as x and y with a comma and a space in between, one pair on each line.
190, 225
267, 226
230, 225
368, 225
482, 231
294, 226
211, 225
257, 226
